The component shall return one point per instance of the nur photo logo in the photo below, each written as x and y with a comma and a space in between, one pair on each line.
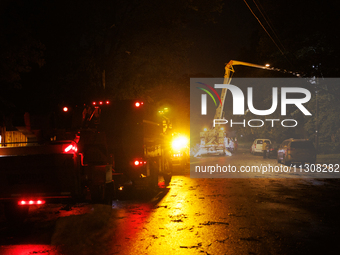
204, 97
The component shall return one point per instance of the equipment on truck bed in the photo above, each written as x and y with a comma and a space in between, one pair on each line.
215, 140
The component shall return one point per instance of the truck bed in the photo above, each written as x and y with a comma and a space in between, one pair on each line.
31, 172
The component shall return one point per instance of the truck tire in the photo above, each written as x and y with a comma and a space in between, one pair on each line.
15, 213
154, 172
167, 179
97, 193
285, 162
167, 173
109, 193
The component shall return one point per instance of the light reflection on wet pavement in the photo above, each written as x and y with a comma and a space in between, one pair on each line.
193, 216
178, 224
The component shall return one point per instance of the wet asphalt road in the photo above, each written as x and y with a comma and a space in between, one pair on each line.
193, 216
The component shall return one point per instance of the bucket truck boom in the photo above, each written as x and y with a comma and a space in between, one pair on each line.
214, 140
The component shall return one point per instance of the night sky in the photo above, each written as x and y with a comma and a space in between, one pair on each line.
218, 43
144, 46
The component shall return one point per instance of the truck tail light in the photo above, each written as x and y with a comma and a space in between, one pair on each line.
138, 104
31, 202
101, 102
139, 162
71, 149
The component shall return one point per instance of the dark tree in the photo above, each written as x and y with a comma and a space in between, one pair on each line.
20, 49
307, 35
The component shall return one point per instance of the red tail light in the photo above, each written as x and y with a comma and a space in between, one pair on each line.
68, 148
139, 162
138, 104
101, 102
71, 148
31, 202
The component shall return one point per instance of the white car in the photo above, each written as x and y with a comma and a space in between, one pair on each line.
257, 146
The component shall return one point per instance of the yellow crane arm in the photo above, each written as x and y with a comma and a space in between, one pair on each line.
227, 78
229, 68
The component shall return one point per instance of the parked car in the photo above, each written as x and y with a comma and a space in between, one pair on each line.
297, 151
257, 146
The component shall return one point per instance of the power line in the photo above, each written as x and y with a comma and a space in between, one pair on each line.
267, 32
268, 23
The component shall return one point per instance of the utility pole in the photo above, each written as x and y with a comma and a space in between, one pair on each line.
316, 116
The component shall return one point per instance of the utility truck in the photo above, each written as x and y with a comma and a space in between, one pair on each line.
50, 172
108, 147
214, 141
139, 142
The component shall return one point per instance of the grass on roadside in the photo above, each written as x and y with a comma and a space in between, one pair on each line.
328, 158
